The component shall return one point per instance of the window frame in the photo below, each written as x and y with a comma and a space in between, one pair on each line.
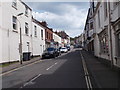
26, 29
105, 10
41, 34
104, 44
14, 23
35, 30
99, 22
118, 45
26, 11
14, 4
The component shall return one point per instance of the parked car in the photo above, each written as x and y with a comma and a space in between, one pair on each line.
77, 46
58, 51
68, 47
63, 50
49, 53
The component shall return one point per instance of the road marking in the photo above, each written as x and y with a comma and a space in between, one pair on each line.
31, 81
20, 68
35, 77
87, 77
51, 66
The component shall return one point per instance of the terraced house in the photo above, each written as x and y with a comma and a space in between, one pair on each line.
107, 31
38, 38
20, 33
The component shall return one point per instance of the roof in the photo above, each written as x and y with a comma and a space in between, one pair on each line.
40, 24
37, 22
25, 4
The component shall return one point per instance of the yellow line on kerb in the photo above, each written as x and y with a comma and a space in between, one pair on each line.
19, 68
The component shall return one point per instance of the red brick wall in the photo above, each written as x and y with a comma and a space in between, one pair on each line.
48, 35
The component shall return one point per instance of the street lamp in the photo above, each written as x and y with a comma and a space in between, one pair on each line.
20, 45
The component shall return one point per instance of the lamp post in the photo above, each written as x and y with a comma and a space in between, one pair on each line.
20, 45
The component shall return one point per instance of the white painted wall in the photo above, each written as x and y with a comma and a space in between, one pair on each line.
0, 33
38, 42
10, 39
104, 22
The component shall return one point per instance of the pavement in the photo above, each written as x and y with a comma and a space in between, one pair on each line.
65, 71
102, 74
17, 64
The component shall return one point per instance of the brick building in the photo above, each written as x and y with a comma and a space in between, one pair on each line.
48, 35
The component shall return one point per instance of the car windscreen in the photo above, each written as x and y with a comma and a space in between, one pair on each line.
63, 48
50, 49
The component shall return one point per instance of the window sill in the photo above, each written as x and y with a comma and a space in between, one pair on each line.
26, 15
14, 7
15, 31
26, 34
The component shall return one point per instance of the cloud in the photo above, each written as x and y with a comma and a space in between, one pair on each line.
55, 0
62, 16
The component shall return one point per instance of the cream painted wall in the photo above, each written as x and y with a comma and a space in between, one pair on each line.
57, 38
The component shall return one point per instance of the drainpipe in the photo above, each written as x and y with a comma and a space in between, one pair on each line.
110, 33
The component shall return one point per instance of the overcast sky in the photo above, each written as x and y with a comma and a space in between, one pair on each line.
67, 16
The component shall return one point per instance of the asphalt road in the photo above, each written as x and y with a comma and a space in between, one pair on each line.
65, 71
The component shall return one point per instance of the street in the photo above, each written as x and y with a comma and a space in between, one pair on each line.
75, 69
65, 71
54, 44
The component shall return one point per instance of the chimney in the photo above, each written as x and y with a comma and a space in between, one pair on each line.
44, 23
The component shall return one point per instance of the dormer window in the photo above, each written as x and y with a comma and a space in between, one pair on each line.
26, 11
14, 3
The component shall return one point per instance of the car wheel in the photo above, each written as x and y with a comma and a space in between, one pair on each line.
42, 57
53, 56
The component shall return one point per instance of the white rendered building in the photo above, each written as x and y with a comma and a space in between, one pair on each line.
38, 38
10, 29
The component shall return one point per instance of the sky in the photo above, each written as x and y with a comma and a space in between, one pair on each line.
62, 16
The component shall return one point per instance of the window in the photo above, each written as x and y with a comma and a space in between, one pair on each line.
28, 45
26, 11
51, 36
14, 23
91, 25
14, 3
47, 35
118, 44
35, 31
105, 10
117, 29
26, 28
118, 37
104, 47
42, 34
99, 18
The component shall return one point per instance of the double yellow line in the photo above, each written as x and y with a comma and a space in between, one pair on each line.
87, 76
